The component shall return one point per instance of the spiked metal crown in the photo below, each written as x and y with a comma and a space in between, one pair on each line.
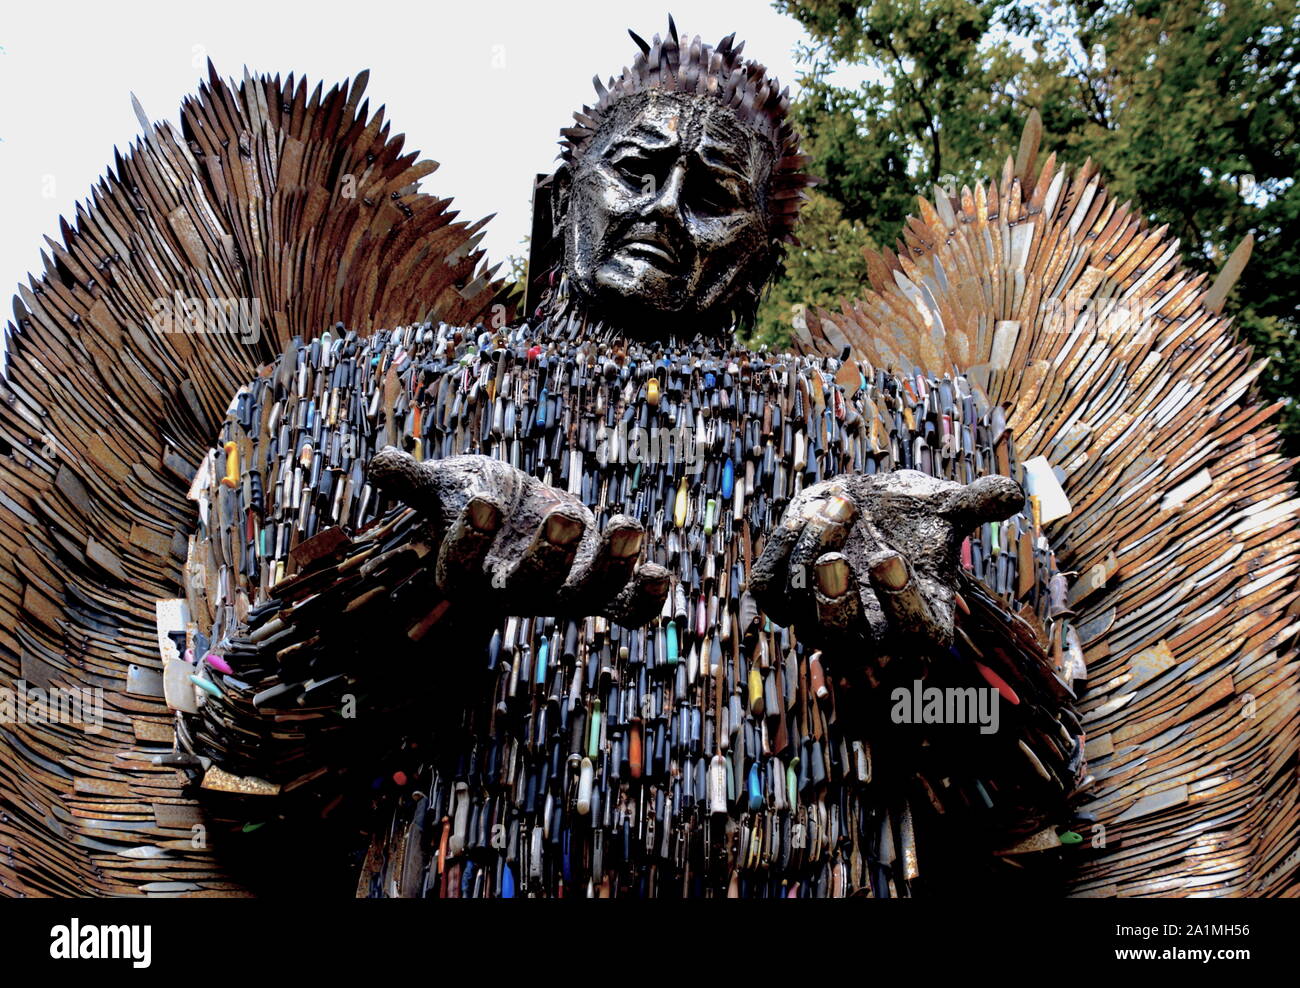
741, 85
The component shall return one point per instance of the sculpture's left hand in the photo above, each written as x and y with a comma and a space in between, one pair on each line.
875, 558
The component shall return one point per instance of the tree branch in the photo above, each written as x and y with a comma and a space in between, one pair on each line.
935, 167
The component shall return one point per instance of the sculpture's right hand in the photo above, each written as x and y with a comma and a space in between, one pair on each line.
513, 545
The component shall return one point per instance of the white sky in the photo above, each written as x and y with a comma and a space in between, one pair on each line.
482, 87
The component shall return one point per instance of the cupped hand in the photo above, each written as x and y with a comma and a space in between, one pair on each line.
875, 557
515, 545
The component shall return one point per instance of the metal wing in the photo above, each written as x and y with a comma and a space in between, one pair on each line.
273, 213
1116, 365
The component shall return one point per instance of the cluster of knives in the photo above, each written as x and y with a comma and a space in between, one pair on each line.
708, 751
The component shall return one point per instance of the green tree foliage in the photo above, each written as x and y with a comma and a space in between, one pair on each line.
1191, 109
826, 266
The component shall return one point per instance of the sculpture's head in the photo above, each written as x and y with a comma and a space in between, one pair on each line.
679, 189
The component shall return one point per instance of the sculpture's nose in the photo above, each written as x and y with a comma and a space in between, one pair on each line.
668, 203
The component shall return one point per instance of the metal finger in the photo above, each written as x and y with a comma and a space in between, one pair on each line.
544, 564
610, 568
767, 578
838, 597
828, 525
465, 547
909, 615
990, 498
402, 476
642, 598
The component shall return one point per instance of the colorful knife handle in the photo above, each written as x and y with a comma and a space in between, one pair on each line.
231, 479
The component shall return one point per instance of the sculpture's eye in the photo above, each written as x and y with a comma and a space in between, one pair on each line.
712, 197
631, 165
637, 169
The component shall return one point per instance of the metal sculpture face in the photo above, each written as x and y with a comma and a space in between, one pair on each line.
665, 216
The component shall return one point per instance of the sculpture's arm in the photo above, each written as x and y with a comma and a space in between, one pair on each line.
869, 568
327, 595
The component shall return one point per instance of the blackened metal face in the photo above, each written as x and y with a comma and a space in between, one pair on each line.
667, 216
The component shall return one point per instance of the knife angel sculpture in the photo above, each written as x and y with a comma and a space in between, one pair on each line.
325, 569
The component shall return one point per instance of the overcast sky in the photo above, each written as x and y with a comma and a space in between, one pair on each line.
482, 86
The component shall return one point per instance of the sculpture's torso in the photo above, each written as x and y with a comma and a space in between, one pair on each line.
708, 752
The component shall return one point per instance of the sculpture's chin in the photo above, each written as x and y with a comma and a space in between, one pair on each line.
642, 284
645, 301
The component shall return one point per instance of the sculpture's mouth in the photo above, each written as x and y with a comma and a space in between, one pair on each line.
657, 251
